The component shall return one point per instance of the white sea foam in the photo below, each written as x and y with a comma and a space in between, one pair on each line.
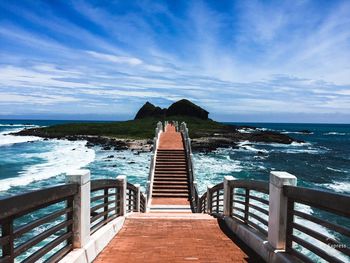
340, 187
19, 125
246, 145
7, 139
246, 130
336, 170
335, 133
296, 132
61, 158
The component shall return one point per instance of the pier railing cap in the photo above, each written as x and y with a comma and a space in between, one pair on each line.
228, 178
209, 186
121, 177
78, 176
280, 178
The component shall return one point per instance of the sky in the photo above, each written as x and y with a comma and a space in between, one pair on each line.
254, 61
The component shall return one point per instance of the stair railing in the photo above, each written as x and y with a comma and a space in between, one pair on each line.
194, 198
47, 224
286, 217
159, 129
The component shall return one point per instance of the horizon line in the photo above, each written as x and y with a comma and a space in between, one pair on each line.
110, 120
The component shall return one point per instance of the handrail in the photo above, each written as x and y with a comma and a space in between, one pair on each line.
253, 203
149, 187
38, 226
261, 186
215, 202
194, 196
104, 202
131, 198
38, 214
333, 203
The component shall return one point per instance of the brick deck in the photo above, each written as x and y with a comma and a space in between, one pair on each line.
170, 139
172, 238
170, 201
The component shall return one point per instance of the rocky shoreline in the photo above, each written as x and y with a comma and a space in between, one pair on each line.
207, 142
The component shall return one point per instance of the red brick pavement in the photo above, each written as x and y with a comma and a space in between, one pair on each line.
170, 201
171, 240
170, 139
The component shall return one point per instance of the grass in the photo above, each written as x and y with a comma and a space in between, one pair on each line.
133, 129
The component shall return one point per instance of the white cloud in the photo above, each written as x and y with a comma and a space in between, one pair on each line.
132, 61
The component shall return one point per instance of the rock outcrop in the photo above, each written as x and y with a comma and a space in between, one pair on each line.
180, 108
187, 108
149, 110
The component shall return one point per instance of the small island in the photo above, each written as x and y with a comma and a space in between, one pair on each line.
207, 134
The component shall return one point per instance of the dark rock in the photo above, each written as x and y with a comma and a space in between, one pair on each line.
106, 148
269, 137
187, 108
149, 110
132, 162
180, 108
73, 149
110, 156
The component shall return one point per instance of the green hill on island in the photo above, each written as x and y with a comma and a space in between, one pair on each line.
142, 127
206, 134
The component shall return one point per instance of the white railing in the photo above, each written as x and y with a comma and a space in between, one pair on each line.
159, 129
189, 157
270, 217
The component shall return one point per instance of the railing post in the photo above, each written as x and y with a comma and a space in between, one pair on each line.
138, 198
81, 207
8, 249
278, 208
209, 199
228, 195
122, 179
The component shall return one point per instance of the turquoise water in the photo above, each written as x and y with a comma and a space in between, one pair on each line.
322, 161
28, 163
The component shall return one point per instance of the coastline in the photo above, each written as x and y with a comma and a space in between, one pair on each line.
204, 140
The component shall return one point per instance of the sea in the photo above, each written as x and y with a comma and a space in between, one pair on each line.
322, 161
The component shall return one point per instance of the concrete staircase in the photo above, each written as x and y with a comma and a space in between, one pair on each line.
170, 177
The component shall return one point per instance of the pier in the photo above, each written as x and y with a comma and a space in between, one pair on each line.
111, 220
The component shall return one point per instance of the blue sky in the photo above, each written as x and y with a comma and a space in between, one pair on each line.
284, 61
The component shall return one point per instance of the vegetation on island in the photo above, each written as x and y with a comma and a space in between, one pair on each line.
206, 134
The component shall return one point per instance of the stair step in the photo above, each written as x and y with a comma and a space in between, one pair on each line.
178, 191
171, 174
169, 182
171, 152
169, 187
170, 166
170, 178
175, 168
171, 155
171, 160
183, 176
171, 195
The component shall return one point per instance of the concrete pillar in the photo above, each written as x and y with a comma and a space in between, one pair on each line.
81, 207
209, 199
228, 191
122, 180
278, 208
138, 198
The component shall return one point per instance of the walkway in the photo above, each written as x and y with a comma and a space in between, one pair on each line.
170, 185
172, 237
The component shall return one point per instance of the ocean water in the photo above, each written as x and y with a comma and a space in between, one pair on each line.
322, 161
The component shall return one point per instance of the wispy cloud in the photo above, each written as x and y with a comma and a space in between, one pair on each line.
116, 59
232, 57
